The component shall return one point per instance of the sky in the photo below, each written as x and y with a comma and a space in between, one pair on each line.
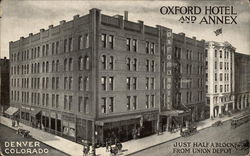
21, 17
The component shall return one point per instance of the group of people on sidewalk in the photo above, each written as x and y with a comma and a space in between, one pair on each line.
114, 150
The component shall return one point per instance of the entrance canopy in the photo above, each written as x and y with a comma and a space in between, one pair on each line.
118, 119
11, 110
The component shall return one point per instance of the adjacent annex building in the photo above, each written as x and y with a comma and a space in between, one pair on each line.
99, 76
220, 79
242, 81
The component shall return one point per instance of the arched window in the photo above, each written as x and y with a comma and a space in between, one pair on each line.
86, 62
27, 69
80, 63
32, 68
43, 67
47, 67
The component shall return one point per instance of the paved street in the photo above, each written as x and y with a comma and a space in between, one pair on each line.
7, 134
222, 134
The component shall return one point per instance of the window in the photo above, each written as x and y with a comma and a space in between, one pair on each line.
134, 102
128, 83
70, 102
111, 62
135, 64
103, 82
103, 62
147, 101
153, 66
47, 49
152, 101
53, 66
221, 77
47, 99
65, 45
147, 83
111, 41
80, 83
221, 65
215, 77
65, 82
86, 83
134, 44
111, 83
215, 65
80, 63
80, 42
128, 61
70, 64
220, 54
85, 104
86, 62
79, 103
47, 82
104, 110
57, 65
57, 101
134, 83
152, 48
152, 83
86, 40
53, 100
53, 83
111, 104
128, 43
128, 102
103, 39
215, 53
70, 83
57, 47
65, 102
215, 88
53, 48
147, 65
70, 44
147, 47
221, 88
47, 67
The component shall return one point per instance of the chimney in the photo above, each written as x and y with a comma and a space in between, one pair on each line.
76, 16
125, 15
30, 34
62, 22
50, 26
41, 30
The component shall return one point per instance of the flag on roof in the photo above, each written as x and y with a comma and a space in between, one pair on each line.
218, 31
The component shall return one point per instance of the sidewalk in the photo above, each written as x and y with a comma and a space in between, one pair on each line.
129, 147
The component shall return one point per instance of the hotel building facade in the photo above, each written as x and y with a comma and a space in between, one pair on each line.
99, 76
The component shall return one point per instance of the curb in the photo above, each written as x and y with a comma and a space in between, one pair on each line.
39, 141
167, 141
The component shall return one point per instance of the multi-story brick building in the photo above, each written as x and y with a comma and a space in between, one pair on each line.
4, 84
242, 81
95, 77
220, 77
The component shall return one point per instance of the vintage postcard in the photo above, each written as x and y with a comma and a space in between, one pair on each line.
136, 78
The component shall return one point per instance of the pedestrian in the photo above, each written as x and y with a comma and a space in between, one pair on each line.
17, 120
107, 145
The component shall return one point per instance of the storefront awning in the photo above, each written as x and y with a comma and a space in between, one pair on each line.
117, 119
11, 110
174, 113
35, 112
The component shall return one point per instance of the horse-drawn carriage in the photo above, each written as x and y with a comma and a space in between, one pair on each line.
23, 132
188, 131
